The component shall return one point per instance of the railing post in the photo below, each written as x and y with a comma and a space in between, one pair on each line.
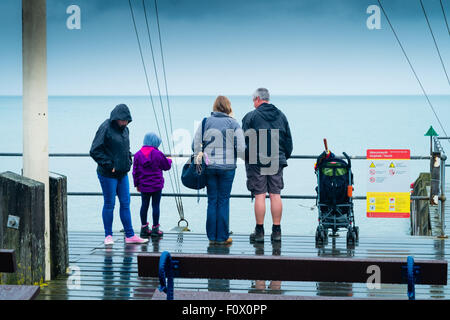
420, 216
438, 162
442, 196
413, 218
435, 172
59, 240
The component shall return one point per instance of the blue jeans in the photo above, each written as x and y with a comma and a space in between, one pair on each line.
112, 187
218, 212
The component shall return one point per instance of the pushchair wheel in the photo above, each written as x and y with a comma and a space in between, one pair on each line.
351, 236
321, 235
356, 230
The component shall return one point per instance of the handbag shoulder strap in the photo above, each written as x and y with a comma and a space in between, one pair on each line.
203, 133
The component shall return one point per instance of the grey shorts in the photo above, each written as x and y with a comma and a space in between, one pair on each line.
258, 183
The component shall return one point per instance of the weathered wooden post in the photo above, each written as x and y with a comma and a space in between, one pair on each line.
22, 227
35, 104
59, 242
421, 221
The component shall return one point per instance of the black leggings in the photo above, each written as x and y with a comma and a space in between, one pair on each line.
156, 198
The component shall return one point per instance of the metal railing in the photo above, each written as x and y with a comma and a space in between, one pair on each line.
442, 158
180, 155
194, 195
440, 197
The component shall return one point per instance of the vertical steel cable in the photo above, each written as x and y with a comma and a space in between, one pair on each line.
434, 40
163, 63
445, 17
412, 68
143, 65
165, 76
151, 98
175, 173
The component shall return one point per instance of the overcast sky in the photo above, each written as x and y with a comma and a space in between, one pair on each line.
304, 47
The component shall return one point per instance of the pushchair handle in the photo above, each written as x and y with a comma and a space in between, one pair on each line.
348, 159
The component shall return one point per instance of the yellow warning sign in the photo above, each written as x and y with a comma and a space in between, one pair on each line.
372, 165
388, 204
392, 165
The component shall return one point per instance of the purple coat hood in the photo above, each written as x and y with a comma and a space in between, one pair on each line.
148, 166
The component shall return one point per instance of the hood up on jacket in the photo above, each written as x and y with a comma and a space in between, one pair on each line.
268, 112
121, 112
152, 140
147, 158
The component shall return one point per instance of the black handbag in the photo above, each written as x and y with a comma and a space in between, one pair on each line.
193, 175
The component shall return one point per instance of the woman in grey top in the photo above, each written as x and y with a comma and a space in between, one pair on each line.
223, 142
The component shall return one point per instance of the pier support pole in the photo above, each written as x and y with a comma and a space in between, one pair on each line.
443, 199
35, 104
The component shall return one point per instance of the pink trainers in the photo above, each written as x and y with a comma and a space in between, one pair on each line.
109, 240
135, 239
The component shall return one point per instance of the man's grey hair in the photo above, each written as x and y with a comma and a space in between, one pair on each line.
262, 93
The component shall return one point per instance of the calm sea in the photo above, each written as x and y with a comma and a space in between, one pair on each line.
350, 123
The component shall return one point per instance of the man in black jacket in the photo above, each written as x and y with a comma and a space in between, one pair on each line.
111, 150
269, 145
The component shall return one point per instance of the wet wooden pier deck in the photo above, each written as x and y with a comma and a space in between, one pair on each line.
111, 273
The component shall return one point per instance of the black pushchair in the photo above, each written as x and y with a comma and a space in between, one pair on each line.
334, 197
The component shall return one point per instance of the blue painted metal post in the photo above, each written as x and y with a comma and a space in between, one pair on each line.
413, 273
166, 270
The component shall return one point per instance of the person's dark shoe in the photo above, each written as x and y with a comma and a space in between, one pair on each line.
257, 236
156, 233
276, 236
145, 232
276, 233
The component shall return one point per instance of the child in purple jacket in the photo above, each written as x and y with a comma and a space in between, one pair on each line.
148, 165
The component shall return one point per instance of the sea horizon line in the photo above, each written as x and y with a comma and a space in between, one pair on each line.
231, 95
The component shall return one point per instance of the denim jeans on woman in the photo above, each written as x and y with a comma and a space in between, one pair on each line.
112, 187
218, 212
